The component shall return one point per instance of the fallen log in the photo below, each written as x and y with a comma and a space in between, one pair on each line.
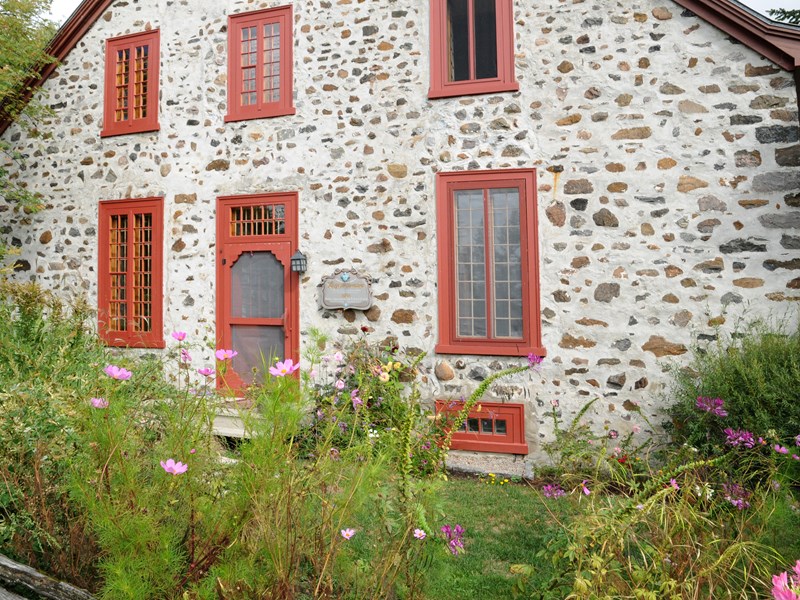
6, 595
12, 572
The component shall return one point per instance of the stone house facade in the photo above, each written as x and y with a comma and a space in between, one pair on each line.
600, 183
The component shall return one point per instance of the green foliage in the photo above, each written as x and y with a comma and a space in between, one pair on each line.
756, 373
785, 15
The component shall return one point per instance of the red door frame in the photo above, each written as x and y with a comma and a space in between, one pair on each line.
230, 247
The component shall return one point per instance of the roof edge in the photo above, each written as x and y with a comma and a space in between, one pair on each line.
65, 39
779, 42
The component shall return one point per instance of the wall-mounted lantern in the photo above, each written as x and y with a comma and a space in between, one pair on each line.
299, 262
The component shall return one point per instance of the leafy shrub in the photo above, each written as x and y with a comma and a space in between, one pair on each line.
756, 374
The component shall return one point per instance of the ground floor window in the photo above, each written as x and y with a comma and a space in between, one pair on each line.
490, 427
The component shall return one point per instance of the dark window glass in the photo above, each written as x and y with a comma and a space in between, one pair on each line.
485, 39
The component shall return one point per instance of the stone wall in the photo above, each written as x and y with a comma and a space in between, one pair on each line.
668, 192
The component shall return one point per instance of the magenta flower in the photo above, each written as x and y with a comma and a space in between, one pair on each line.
225, 354
348, 533
674, 484
553, 491
454, 538
281, 369
785, 589
174, 468
206, 372
355, 399
797, 441
116, 372
99, 402
585, 489
780, 449
185, 356
739, 437
420, 534
339, 385
737, 495
179, 335
712, 405
338, 357
534, 360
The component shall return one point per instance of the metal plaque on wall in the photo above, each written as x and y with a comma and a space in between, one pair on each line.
346, 289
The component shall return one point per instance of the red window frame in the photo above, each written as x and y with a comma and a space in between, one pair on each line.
504, 81
114, 298
513, 442
282, 16
449, 340
121, 98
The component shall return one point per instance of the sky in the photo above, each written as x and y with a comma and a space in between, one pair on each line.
62, 9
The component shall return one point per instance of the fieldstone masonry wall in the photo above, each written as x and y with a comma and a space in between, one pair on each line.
667, 157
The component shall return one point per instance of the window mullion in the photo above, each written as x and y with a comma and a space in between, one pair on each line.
129, 272
488, 258
259, 81
131, 85
471, 31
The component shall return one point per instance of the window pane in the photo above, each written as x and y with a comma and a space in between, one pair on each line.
258, 347
257, 286
458, 40
486, 426
470, 264
500, 427
506, 263
472, 425
485, 39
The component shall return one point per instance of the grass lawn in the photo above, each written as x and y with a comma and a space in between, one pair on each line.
505, 525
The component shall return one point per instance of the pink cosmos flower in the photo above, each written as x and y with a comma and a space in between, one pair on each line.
338, 357
339, 385
225, 354
420, 534
534, 360
348, 533
99, 402
636, 429
116, 372
585, 489
175, 468
206, 372
784, 588
179, 335
281, 369
185, 356
780, 449
674, 484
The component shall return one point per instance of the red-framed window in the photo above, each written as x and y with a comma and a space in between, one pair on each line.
130, 295
130, 102
260, 64
491, 427
488, 256
472, 47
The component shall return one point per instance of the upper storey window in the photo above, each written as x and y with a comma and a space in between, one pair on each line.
260, 64
131, 84
472, 47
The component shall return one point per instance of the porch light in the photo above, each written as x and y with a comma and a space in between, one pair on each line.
299, 262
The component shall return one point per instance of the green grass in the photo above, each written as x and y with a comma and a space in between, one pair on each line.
505, 525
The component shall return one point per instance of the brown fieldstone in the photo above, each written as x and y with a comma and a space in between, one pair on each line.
747, 158
647, 229
644, 62
794, 284
349, 315
707, 226
185, 198
682, 318
660, 347
615, 167
565, 67
716, 321
617, 187
616, 381
751, 71
662, 13
569, 342
579, 261
789, 156
767, 101
624, 100
605, 292
219, 164
672, 271
592, 93
578, 186
709, 89
634, 133
688, 282
671, 89
711, 266
587, 322
640, 383
666, 163
605, 218
570, 120
373, 313
179, 245
397, 170
687, 183
639, 17
671, 299
561, 296
748, 282
689, 107
753, 203
403, 316
381, 247
556, 214
443, 371
46, 237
